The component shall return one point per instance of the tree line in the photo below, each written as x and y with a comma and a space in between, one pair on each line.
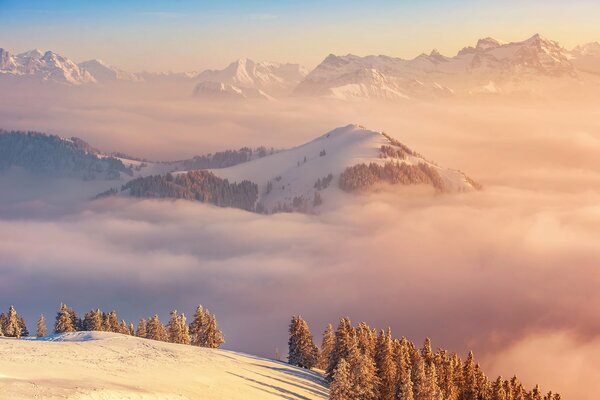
203, 331
363, 364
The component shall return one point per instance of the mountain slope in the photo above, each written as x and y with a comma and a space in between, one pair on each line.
490, 64
300, 178
105, 366
105, 73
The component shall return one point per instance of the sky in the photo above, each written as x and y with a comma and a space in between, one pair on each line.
193, 35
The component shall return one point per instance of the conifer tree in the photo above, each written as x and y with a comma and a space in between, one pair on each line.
404, 385
2, 323
363, 375
365, 339
185, 331
535, 393
12, 325
341, 386
155, 329
212, 337
469, 385
326, 347
498, 390
112, 322
23, 325
197, 326
41, 327
177, 329
420, 387
386, 367
131, 330
92, 320
141, 329
123, 327
344, 341
64, 320
302, 351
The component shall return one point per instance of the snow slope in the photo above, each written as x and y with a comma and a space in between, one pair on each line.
108, 366
294, 172
105, 73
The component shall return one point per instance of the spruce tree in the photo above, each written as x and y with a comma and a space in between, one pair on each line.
12, 325
326, 347
64, 320
185, 331
131, 330
344, 341
386, 367
141, 329
212, 336
23, 325
341, 387
156, 330
123, 327
302, 351
41, 327
177, 329
112, 322
469, 385
92, 320
197, 326
419, 376
364, 377
498, 390
404, 385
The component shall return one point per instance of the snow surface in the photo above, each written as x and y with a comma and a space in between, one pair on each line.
109, 366
291, 176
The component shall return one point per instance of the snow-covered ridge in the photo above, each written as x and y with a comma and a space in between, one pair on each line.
100, 365
294, 178
490, 61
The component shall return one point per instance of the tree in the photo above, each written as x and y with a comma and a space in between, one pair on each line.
141, 329
177, 328
197, 326
469, 387
212, 336
41, 327
111, 322
326, 347
344, 341
23, 325
156, 330
302, 351
386, 367
364, 377
419, 377
498, 390
12, 325
123, 327
404, 386
131, 329
92, 320
341, 385
64, 320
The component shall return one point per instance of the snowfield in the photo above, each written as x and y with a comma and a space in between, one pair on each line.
107, 366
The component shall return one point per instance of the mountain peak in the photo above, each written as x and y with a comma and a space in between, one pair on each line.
488, 43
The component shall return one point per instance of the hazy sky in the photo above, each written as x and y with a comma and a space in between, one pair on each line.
192, 35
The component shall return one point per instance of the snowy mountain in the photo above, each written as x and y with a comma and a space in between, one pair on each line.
48, 66
492, 65
587, 57
299, 179
101, 365
270, 78
104, 73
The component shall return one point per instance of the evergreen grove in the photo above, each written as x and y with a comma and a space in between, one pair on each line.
363, 364
203, 330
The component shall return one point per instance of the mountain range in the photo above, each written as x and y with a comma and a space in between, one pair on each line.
490, 67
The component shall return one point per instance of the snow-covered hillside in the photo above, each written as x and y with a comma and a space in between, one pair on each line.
105, 73
108, 366
292, 179
220, 90
491, 66
245, 75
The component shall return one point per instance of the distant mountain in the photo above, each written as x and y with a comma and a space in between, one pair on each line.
53, 156
586, 57
220, 90
490, 66
267, 78
104, 73
48, 66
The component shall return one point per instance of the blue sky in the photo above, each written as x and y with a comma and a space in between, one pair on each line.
189, 35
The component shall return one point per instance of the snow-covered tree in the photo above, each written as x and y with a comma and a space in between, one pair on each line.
141, 329
12, 325
24, 330
41, 327
302, 351
469, 385
420, 387
344, 341
197, 326
92, 320
404, 384
155, 329
498, 390
365, 382
341, 387
131, 329
212, 337
64, 320
326, 347
386, 367
111, 322
123, 327
177, 328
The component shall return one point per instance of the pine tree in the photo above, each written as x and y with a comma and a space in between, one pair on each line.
326, 347
41, 327
155, 330
498, 390
92, 320
404, 385
365, 339
535, 393
469, 385
177, 328
363, 375
197, 326
302, 351
123, 328
131, 330
420, 387
141, 329
344, 341
386, 367
112, 322
212, 337
341, 387
12, 325
23, 325
64, 320
185, 331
